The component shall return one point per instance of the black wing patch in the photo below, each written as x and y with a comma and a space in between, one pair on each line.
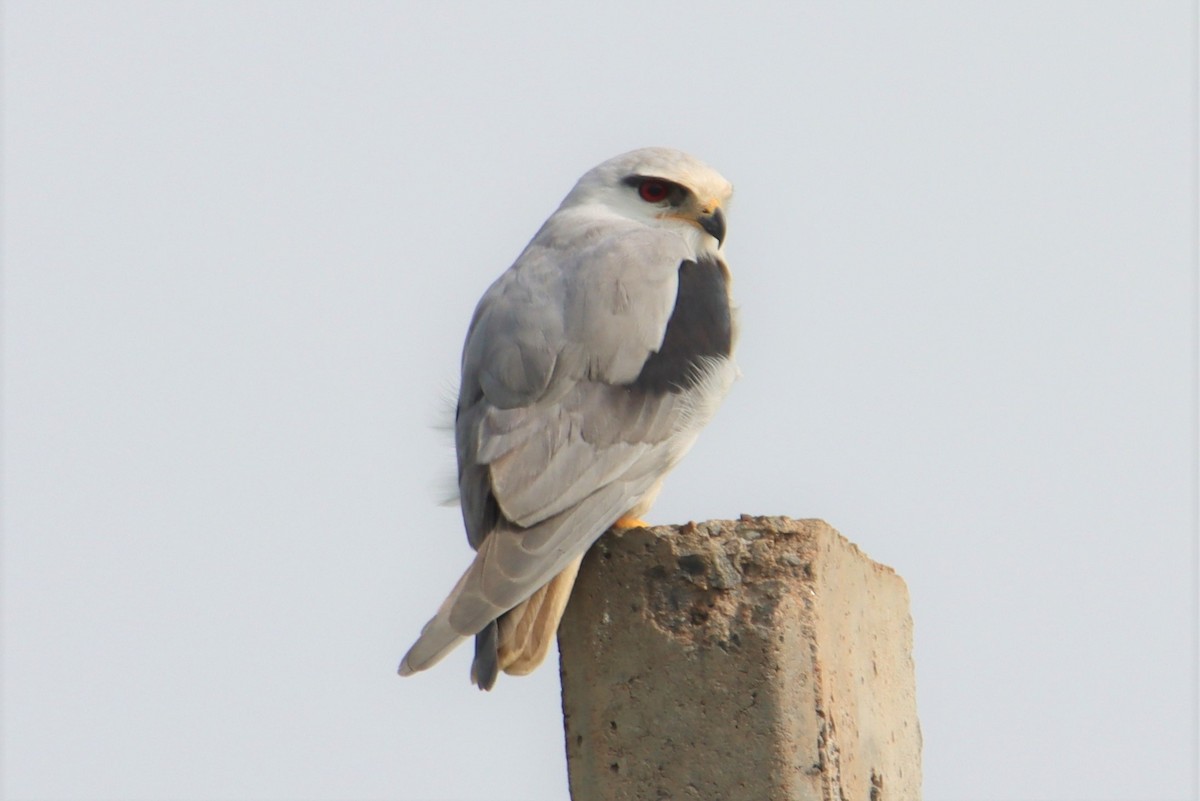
701, 326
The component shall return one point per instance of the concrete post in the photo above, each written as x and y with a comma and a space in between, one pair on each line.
748, 660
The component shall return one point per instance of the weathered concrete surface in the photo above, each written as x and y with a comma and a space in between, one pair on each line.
760, 659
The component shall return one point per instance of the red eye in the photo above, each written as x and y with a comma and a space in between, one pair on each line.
653, 191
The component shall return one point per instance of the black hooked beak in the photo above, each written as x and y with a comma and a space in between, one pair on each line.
714, 224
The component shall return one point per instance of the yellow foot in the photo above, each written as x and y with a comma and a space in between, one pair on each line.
630, 522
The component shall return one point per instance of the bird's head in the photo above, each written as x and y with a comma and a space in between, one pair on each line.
662, 187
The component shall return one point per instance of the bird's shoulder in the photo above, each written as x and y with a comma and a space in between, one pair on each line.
589, 298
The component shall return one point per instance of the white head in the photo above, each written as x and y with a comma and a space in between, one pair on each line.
662, 187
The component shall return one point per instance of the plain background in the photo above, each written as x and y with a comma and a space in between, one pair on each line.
242, 241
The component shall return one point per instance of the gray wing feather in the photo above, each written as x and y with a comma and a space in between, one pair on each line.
543, 460
546, 430
586, 302
512, 562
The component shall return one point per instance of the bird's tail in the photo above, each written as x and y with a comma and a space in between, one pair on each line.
518, 641
511, 565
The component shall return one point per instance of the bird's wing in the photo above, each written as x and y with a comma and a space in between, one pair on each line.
563, 317
555, 439
589, 304
572, 478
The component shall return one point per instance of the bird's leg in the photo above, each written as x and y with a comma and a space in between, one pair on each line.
630, 522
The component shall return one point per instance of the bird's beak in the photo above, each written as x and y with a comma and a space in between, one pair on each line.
714, 223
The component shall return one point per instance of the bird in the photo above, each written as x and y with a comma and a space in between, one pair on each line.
589, 368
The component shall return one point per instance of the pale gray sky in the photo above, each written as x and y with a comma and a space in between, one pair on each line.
242, 241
